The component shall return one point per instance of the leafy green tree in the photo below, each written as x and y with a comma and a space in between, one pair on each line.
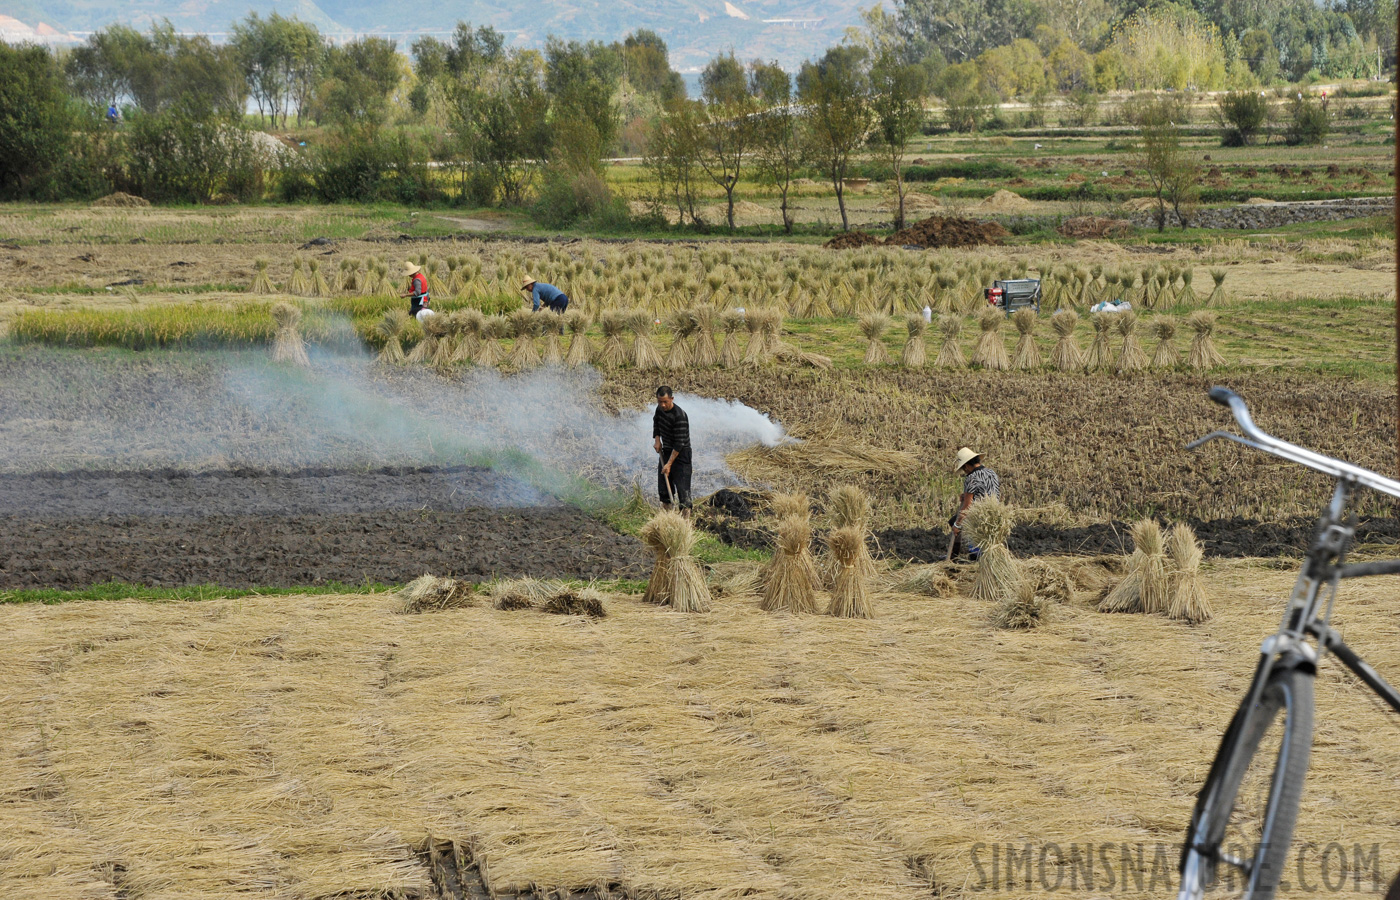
897, 91
1171, 169
647, 66
1242, 114
673, 156
836, 93
502, 112
730, 124
582, 80
966, 104
1308, 122
156, 71
358, 78
962, 29
255, 42
36, 119
779, 150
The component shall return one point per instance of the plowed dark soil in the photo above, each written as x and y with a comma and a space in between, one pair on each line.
948, 231
247, 529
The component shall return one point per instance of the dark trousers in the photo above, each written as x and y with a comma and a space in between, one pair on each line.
679, 491
560, 304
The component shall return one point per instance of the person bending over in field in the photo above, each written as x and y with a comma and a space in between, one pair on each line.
670, 432
553, 298
417, 293
978, 482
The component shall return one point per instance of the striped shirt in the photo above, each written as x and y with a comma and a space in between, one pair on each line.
982, 482
673, 427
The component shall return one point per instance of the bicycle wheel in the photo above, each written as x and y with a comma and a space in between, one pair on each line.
1243, 825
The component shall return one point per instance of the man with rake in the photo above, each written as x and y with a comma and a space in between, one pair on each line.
978, 482
670, 432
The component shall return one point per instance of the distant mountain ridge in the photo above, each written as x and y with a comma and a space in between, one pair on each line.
695, 30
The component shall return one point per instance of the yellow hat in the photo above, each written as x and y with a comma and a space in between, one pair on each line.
527, 282
411, 269
965, 456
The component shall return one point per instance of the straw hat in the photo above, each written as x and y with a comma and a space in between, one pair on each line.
411, 269
965, 456
529, 280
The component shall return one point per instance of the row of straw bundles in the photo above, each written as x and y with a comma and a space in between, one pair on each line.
430, 593
1163, 577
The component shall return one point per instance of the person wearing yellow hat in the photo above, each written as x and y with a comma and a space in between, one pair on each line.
419, 301
553, 298
978, 482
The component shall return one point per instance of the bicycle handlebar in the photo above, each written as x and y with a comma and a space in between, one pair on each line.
1261, 440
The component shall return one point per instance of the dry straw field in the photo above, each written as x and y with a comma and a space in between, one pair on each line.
333, 747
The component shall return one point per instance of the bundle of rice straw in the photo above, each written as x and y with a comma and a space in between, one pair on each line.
287, 345
771, 324
915, 354
580, 347
730, 321
850, 593
1216, 296
987, 525
676, 579
1049, 580
553, 327
1188, 294
1165, 356
613, 354
489, 351
683, 325
991, 350
345, 276
428, 593
873, 326
572, 600
524, 325
757, 348
1027, 353
467, 326
791, 355
261, 283
1130, 357
298, 284
434, 330
1101, 350
644, 352
1066, 355
319, 287
791, 580
391, 328
1203, 355
704, 354
1187, 594
520, 593
1144, 588
950, 355
1022, 609
445, 353
849, 507
781, 506
928, 581
437, 285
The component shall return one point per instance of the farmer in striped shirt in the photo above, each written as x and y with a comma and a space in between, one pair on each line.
978, 482
670, 432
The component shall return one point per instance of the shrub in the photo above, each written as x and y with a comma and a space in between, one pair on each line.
187, 155
569, 195
1308, 123
1242, 114
367, 163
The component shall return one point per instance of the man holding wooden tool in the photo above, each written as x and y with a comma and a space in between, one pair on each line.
670, 431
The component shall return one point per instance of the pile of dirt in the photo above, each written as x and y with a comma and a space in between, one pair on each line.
1140, 204
1005, 201
852, 240
913, 202
948, 231
1095, 227
122, 201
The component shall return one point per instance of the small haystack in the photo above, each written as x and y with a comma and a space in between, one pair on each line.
298, 284
1066, 355
1049, 580
435, 330
1027, 353
1217, 294
287, 346
613, 354
466, 326
950, 354
685, 589
873, 327
524, 327
683, 326
791, 580
428, 593
1165, 356
521, 593
644, 352
849, 507
730, 321
771, 324
553, 327
850, 592
756, 349
261, 283
1187, 597
580, 347
987, 524
704, 354
782, 506
391, 328
1101, 350
1131, 357
489, 351
659, 586
319, 286
915, 355
574, 600
991, 350
926, 581
1144, 588
1203, 355
1022, 609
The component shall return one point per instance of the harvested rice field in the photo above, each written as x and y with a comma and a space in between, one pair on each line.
330, 746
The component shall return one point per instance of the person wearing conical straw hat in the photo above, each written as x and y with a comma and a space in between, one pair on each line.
978, 482
419, 301
541, 293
